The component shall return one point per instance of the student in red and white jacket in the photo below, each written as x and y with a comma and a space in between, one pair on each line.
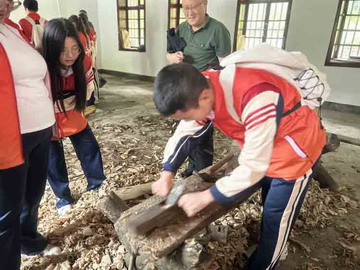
26, 120
31, 9
281, 144
71, 84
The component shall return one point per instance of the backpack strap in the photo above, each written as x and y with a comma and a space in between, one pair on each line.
293, 109
30, 20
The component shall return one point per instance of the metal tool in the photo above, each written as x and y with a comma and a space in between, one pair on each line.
175, 193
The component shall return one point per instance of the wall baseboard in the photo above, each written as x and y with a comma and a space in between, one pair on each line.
127, 75
341, 107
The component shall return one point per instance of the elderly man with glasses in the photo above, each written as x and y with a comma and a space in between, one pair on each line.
207, 41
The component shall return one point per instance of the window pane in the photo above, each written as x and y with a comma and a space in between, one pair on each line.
176, 13
346, 42
131, 24
265, 22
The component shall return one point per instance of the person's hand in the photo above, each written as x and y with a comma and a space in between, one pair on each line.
176, 58
163, 186
192, 203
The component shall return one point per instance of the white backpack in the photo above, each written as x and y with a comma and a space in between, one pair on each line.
291, 66
38, 28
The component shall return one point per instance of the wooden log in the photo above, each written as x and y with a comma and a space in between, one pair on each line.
325, 179
162, 241
112, 206
187, 256
155, 217
133, 192
160, 214
332, 143
349, 140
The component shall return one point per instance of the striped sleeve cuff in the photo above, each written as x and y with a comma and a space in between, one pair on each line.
219, 197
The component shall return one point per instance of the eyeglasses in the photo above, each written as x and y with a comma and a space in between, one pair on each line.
74, 51
193, 8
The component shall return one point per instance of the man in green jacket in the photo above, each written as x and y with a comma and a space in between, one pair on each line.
207, 42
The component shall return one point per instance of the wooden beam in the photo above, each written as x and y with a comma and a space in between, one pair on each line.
133, 192
112, 206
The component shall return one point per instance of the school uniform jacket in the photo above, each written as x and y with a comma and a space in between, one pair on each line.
10, 136
27, 26
272, 145
73, 121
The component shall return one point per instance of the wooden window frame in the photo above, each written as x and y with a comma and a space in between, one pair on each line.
126, 9
339, 22
247, 4
178, 7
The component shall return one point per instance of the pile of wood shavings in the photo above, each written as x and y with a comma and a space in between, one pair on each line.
132, 154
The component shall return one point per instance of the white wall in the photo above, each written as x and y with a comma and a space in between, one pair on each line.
150, 62
50, 9
144, 63
311, 25
47, 8
72, 7
310, 28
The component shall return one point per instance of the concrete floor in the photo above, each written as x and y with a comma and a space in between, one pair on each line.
123, 95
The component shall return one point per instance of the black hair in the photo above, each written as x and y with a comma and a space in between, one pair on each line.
178, 87
80, 27
56, 31
82, 11
31, 5
85, 21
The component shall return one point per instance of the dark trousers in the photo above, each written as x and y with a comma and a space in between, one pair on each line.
282, 201
88, 152
21, 190
203, 153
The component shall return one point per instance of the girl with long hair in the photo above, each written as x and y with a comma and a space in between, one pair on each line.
72, 82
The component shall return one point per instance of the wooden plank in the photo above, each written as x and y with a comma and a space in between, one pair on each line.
112, 206
349, 140
154, 217
162, 241
133, 192
332, 143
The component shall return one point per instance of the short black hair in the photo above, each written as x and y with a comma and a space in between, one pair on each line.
178, 87
31, 5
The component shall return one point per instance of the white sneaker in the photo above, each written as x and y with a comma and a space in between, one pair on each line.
51, 250
64, 209
48, 251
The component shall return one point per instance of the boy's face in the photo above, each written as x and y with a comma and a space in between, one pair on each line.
206, 104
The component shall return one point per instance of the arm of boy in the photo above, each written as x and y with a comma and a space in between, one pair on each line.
176, 152
260, 120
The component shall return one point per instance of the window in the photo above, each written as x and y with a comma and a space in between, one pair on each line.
131, 19
176, 14
344, 49
260, 21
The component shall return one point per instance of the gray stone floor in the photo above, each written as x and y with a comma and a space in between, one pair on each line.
130, 96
